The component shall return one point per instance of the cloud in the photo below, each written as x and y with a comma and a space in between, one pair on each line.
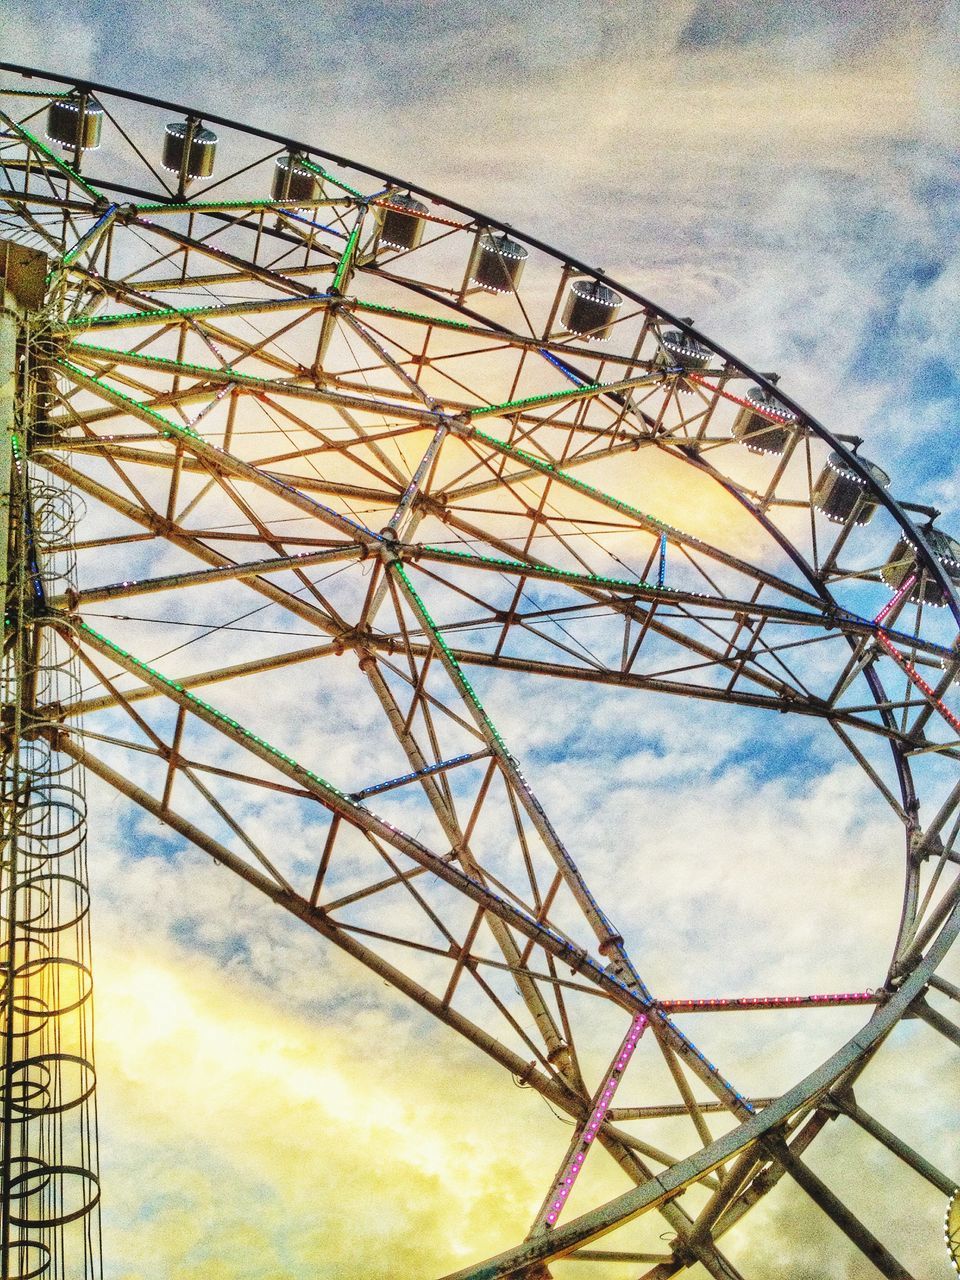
241, 1140
844, 27
44, 36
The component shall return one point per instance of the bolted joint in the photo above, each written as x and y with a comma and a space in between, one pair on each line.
526, 1076
58, 737
922, 846
459, 425
830, 1107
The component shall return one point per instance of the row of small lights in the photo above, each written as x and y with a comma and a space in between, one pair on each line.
761, 1002
689, 351
571, 1170
952, 1239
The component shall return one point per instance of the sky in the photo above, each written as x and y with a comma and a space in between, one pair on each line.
788, 176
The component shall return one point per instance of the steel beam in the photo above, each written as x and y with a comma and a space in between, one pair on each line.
899, 1148
838, 1213
933, 1018
598, 1222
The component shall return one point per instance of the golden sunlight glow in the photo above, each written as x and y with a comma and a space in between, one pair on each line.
243, 1141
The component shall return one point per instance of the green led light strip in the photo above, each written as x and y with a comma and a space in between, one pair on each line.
120, 398
647, 521
216, 206
142, 360
450, 662
208, 713
55, 159
328, 177
206, 206
346, 258
548, 469
239, 308
441, 322
549, 397
568, 393
543, 570
50, 94
160, 314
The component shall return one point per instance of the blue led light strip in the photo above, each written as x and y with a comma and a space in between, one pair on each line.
89, 236
426, 772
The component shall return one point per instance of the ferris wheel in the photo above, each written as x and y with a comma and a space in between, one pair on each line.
436, 489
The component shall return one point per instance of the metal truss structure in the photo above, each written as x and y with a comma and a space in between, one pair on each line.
402, 458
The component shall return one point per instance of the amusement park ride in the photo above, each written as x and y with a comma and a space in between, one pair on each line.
239, 374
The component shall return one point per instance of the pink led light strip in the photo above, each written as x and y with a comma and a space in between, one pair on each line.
907, 667
723, 1003
580, 1146
895, 600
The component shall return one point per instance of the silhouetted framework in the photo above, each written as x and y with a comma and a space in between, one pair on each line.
48, 1153
395, 456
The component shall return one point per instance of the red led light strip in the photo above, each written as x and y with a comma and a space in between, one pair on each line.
746, 404
912, 674
413, 213
907, 667
722, 1003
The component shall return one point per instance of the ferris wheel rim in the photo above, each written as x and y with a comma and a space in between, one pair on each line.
840, 446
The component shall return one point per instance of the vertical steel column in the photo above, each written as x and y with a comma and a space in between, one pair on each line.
10, 314
9, 324
49, 1176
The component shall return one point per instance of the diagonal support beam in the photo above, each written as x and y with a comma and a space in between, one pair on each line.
899, 1148
667, 1185
933, 1018
838, 1213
